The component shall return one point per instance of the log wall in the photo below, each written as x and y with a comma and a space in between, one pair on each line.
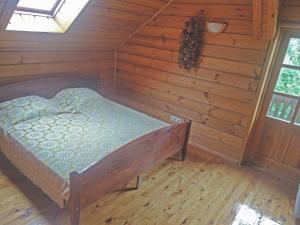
219, 96
86, 47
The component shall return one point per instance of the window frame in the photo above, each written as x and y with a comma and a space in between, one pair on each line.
40, 12
277, 69
59, 23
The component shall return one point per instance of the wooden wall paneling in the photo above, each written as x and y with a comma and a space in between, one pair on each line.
146, 23
221, 11
187, 102
289, 11
219, 96
87, 46
223, 125
255, 128
242, 26
190, 93
173, 74
161, 33
35, 63
218, 2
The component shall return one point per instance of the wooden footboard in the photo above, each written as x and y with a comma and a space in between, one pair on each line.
122, 165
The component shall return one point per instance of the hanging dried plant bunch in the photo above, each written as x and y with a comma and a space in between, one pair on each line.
190, 43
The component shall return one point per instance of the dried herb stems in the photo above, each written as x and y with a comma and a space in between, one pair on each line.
190, 44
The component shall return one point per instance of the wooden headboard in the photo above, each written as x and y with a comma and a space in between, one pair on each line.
47, 85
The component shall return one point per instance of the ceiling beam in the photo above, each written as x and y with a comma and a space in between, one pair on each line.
272, 18
257, 18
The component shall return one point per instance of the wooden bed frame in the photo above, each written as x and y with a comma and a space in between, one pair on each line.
119, 167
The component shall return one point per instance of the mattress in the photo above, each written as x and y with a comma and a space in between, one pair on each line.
84, 128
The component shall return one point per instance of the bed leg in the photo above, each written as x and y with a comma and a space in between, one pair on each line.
186, 141
74, 204
138, 182
137, 185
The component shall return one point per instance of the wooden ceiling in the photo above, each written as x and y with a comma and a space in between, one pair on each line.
104, 24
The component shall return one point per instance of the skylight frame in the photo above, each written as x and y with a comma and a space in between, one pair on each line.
40, 12
63, 18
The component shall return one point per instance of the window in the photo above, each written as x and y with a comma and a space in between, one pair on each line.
54, 16
45, 7
285, 102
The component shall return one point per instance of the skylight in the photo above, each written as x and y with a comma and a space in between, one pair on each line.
37, 5
54, 16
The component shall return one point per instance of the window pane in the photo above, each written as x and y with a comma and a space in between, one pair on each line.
292, 56
282, 107
46, 5
297, 121
288, 82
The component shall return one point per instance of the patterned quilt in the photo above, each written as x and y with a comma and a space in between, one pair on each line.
75, 129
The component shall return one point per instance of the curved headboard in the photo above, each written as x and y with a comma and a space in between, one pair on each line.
47, 85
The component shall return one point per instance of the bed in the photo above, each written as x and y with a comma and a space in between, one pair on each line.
76, 145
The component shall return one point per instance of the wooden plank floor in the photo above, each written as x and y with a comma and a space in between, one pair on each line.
174, 193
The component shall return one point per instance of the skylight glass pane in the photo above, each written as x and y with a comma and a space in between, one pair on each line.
46, 5
292, 56
32, 23
54, 16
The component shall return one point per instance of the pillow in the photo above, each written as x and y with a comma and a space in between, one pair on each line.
74, 100
25, 108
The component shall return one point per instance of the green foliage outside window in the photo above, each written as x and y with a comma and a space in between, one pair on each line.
292, 56
283, 107
289, 79
289, 82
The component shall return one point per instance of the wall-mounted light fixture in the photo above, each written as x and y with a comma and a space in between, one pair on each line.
215, 27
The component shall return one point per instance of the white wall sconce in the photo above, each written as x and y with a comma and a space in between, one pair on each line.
215, 27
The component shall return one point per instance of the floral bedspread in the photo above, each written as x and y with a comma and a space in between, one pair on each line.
83, 128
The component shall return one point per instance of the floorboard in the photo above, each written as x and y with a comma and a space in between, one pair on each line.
203, 192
